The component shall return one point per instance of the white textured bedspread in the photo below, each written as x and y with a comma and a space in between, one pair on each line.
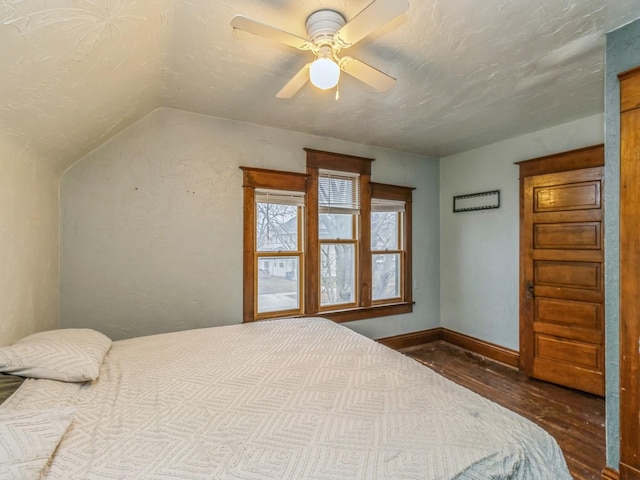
289, 399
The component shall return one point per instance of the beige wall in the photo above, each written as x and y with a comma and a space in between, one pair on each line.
152, 224
29, 297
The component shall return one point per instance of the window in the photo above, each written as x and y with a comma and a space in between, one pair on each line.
278, 251
338, 210
387, 249
329, 242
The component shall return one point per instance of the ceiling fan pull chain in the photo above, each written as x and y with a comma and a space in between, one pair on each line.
337, 92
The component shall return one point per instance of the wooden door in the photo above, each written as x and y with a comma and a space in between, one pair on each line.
630, 275
562, 291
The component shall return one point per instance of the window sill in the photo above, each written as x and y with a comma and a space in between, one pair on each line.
362, 313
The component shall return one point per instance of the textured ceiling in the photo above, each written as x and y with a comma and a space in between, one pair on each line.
470, 72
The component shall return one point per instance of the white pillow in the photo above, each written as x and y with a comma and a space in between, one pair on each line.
28, 439
69, 355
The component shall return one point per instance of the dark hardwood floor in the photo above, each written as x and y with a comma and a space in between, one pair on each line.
575, 419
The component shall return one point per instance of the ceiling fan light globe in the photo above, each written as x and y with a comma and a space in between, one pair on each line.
324, 73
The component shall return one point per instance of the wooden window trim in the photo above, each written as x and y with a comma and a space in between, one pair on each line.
403, 194
363, 313
308, 182
366, 276
260, 178
336, 161
317, 160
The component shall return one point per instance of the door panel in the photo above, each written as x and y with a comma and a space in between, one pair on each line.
569, 313
568, 374
567, 274
567, 235
556, 198
579, 353
563, 290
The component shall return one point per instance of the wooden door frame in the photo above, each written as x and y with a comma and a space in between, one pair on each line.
578, 159
629, 358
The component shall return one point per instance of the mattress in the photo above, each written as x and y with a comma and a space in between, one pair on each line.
282, 399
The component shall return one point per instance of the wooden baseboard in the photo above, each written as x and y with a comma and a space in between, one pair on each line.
610, 474
412, 339
486, 349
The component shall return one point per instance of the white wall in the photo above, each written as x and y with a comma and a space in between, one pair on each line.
479, 250
28, 244
151, 224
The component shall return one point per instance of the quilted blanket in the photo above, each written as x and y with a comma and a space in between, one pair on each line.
286, 399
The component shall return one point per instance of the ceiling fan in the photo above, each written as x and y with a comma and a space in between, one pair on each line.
329, 33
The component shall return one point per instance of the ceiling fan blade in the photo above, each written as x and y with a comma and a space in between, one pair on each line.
376, 14
295, 84
247, 24
373, 77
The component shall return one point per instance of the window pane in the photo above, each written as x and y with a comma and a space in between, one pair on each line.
384, 231
386, 276
276, 227
337, 272
335, 226
278, 287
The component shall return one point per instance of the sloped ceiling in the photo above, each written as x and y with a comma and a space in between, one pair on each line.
470, 72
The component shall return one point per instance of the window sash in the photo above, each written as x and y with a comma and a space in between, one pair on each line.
345, 223
398, 275
399, 239
261, 301
353, 274
397, 251
278, 231
338, 192
299, 278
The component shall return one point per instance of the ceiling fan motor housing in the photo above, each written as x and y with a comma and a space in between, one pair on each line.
322, 25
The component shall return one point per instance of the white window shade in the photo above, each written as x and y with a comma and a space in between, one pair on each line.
280, 197
382, 205
338, 192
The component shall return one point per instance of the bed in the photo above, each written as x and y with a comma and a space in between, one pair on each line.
282, 399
